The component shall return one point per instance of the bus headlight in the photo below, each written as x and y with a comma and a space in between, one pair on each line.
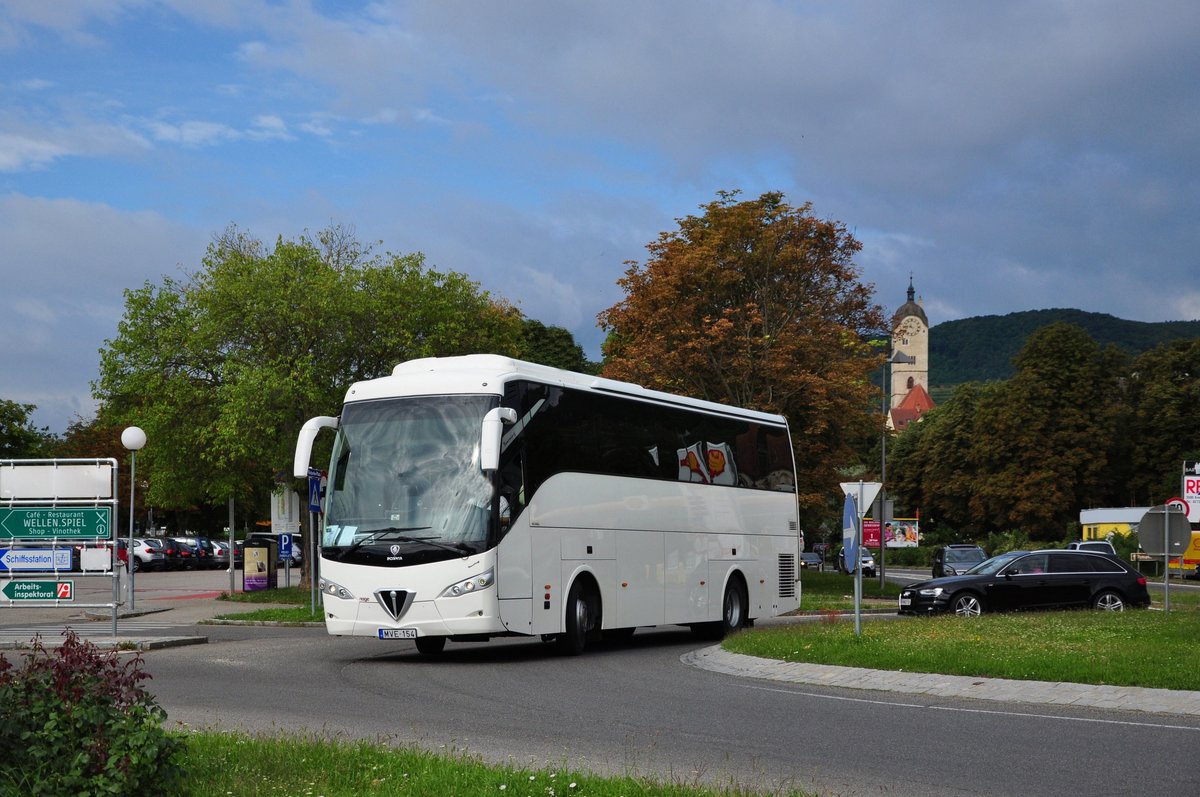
469, 585
328, 587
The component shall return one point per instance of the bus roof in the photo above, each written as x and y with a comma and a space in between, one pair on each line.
488, 373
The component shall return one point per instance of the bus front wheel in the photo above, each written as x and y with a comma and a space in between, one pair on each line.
573, 639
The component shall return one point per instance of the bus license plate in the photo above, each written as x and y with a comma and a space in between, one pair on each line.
397, 633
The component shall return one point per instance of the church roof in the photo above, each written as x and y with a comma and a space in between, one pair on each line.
911, 408
911, 307
917, 399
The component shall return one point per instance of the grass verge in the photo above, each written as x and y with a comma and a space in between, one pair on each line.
1133, 648
830, 590
290, 765
296, 603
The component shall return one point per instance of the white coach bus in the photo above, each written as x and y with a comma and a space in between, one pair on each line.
480, 496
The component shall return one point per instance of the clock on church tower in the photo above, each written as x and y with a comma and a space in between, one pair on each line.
910, 337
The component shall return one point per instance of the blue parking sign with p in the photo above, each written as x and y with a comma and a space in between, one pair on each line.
285, 546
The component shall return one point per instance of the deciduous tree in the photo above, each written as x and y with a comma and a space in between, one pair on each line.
553, 346
1027, 453
19, 437
757, 304
221, 368
1164, 396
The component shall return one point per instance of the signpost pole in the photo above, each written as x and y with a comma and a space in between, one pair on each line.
858, 511
232, 587
1167, 561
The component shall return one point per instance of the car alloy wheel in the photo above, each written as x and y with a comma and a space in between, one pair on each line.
967, 605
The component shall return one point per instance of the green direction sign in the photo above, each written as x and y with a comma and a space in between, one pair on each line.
73, 522
39, 590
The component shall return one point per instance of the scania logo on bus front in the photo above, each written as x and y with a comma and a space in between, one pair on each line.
395, 551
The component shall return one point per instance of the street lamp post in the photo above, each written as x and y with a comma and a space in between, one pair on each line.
133, 439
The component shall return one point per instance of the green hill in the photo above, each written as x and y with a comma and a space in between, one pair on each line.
982, 348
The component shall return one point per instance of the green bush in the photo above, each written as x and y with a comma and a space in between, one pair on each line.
907, 557
76, 721
1011, 540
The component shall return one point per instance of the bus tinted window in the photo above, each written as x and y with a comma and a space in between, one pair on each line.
567, 430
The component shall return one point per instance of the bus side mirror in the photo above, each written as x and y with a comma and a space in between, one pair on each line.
493, 429
304, 442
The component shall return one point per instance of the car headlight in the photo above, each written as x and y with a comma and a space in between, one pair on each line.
328, 587
469, 585
931, 593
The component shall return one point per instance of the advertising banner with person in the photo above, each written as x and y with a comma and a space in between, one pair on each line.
902, 533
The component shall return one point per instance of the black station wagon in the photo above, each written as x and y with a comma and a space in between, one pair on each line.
1017, 580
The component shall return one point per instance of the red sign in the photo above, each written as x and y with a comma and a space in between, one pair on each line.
871, 533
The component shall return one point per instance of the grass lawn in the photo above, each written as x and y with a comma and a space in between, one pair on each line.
296, 602
830, 590
1132, 648
254, 767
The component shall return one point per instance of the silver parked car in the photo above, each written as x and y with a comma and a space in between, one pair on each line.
148, 554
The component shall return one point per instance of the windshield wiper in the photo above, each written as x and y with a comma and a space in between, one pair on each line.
457, 547
377, 535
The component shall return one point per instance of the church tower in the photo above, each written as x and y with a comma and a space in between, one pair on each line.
910, 338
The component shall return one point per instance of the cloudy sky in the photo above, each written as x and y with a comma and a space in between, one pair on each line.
1012, 156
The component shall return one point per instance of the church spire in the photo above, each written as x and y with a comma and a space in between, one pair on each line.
911, 292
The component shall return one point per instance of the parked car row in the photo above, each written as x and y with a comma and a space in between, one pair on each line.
164, 553
167, 553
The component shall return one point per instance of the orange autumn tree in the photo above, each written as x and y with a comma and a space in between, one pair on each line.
758, 304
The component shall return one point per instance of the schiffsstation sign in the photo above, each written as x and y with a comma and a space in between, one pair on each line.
71, 522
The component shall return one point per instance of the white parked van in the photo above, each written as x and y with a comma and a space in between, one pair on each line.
1096, 546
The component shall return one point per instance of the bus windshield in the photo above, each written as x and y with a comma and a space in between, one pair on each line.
405, 483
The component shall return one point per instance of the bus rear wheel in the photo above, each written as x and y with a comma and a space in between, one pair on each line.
734, 609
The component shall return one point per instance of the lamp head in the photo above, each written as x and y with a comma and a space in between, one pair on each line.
133, 438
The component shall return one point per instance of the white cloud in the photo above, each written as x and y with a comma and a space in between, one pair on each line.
1185, 306
22, 152
192, 133
268, 127
29, 141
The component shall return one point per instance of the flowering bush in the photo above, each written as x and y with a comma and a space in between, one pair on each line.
74, 720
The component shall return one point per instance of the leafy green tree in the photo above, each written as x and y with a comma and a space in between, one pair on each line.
551, 345
19, 437
1027, 453
932, 464
223, 367
757, 304
1044, 452
1164, 396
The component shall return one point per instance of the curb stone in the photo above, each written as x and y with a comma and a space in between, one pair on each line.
1126, 698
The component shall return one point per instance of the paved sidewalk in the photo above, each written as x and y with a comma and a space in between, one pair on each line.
170, 611
1127, 698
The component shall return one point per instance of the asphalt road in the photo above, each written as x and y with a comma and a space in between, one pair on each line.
635, 708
